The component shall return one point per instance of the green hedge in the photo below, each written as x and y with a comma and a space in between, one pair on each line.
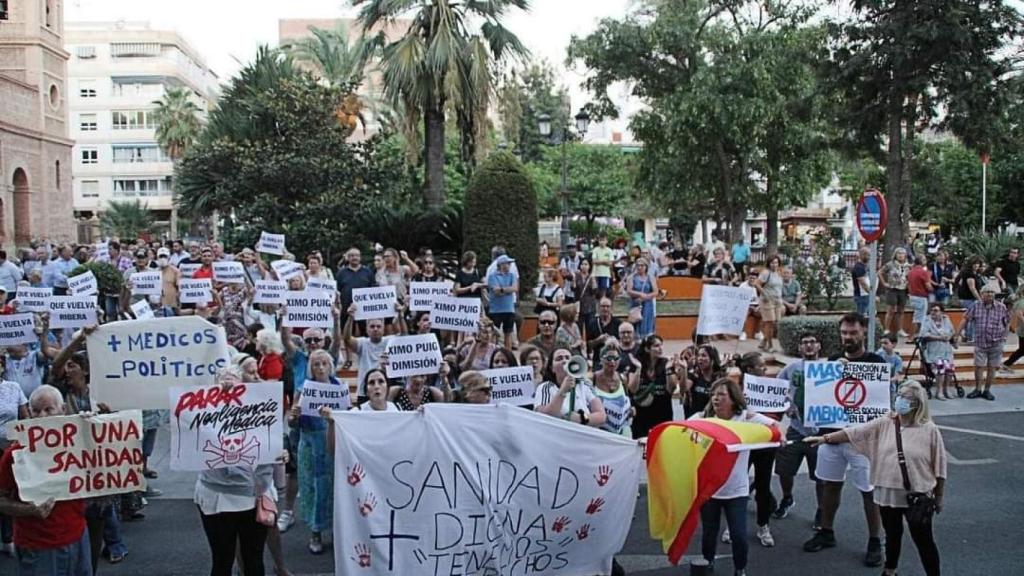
108, 279
826, 328
501, 208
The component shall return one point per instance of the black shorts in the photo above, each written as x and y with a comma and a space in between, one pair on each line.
504, 320
790, 456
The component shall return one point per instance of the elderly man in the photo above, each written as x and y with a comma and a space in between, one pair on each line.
50, 537
56, 272
368, 349
502, 288
792, 294
547, 323
601, 328
991, 320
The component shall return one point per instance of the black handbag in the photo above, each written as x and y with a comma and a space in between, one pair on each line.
920, 505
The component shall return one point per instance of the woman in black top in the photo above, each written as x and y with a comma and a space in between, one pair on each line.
652, 397
697, 386
468, 283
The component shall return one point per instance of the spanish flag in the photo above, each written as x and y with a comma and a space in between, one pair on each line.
687, 462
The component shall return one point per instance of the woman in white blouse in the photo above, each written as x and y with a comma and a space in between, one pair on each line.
554, 396
728, 403
376, 384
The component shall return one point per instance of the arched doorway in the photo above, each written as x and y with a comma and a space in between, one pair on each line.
22, 213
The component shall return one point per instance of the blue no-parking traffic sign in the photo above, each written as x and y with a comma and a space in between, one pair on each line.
872, 215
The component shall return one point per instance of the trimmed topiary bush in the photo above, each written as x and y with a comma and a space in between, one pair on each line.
501, 208
826, 328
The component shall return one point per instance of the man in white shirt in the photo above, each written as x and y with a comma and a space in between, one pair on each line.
368, 349
10, 275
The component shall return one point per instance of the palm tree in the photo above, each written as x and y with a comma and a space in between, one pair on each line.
126, 219
333, 58
178, 126
440, 66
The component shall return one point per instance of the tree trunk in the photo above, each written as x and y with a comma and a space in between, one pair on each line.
433, 141
737, 216
908, 162
771, 225
895, 232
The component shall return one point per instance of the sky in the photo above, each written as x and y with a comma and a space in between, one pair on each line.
227, 32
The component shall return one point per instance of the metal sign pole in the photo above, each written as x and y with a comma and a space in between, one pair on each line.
872, 291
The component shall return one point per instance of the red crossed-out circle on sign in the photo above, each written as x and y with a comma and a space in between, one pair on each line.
850, 393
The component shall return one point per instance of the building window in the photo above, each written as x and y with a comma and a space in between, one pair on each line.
124, 188
4, 14
134, 49
90, 156
56, 173
132, 120
54, 96
85, 52
147, 89
87, 89
87, 122
138, 153
90, 189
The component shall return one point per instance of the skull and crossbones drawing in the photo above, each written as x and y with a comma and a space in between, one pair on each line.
234, 448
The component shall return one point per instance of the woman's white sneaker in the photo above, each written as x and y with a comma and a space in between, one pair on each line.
765, 536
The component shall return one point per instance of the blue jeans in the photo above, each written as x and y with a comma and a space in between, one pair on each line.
112, 532
736, 518
71, 560
968, 303
862, 303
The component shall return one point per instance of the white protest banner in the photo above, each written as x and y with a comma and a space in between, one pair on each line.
195, 291
270, 292
322, 285
72, 311
511, 385
765, 394
412, 355
422, 294
479, 489
723, 310
73, 457
142, 310
134, 362
457, 314
17, 329
286, 269
307, 309
316, 394
148, 283
102, 252
34, 299
374, 302
216, 428
838, 395
188, 269
229, 272
271, 243
83, 284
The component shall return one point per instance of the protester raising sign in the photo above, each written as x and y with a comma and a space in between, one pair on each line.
374, 302
133, 363
229, 272
216, 428
270, 292
838, 395
195, 291
188, 269
315, 394
463, 489
286, 269
17, 329
456, 314
723, 310
422, 294
72, 457
412, 355
148, 283
307, 309
142, 310
102, 252
765, 394
72, 311
321, 285
511, 385
34, 299
83, 284
271, 243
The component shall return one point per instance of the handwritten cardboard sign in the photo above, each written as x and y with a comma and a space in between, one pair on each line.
723, 310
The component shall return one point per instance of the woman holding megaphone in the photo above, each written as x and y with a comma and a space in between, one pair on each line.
566, 393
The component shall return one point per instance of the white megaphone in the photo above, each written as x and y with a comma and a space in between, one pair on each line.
577, 367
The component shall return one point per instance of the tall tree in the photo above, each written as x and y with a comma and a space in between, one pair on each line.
126, 220
178, 126
332, 55
524, 96
441, 64
898, 64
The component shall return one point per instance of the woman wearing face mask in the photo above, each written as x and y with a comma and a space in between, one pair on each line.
316, 466
555, 397
610, 388
909, 425
376, 385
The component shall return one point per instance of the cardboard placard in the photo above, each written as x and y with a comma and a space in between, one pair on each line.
287, 269
34, 299
412, 355
513, 385
17, 329
83, 285
838, 395
195, 291
72, 311
271, 243
270, 292
229, 272
723, 310
376, 302
308, 309
316, 394
188, 269
456, 314
766, 395
422, 294
142, 310
148, 283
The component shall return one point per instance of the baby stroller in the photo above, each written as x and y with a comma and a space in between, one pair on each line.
928, 372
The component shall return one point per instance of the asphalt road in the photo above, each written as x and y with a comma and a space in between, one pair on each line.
978, 533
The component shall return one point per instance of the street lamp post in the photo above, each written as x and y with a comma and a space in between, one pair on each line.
563, 136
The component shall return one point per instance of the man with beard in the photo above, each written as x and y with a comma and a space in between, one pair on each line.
835, 460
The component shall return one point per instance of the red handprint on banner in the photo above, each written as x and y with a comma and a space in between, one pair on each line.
366, 506
355, 474
362, 555
595, 505
583, 532
604, 474
560, 523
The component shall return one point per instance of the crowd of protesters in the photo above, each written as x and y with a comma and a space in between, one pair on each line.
630, 387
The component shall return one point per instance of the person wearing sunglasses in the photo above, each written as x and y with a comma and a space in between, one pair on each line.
545, 339
610, 388
474, 388
428, 271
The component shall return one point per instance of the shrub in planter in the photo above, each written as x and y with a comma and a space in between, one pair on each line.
826, 328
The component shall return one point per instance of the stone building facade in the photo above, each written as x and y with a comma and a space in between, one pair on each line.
35, 151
